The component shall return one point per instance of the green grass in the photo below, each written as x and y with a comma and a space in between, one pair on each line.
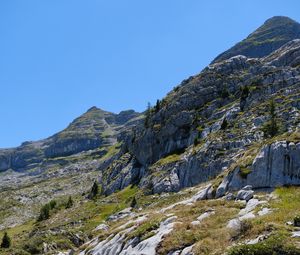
275, 245
144, 230
244, 171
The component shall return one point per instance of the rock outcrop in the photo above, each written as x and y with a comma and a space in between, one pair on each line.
277, 164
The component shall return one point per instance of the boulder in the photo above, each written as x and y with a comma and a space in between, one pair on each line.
245, 194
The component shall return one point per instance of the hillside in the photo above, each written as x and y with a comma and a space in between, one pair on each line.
274, 33
212, 168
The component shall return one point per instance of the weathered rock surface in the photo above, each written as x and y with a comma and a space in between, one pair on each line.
117, 244
277, 164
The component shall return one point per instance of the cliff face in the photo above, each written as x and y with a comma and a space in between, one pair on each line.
193, 134
276, 165
203, 125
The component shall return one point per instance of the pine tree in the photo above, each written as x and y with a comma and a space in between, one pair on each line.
271, 127
224, 124
52, 204
44, 212
147, 115
70, 202
6, 241
157, 106
94, 190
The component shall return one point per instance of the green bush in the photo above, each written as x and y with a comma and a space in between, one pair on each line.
44, 212
52, 204
34, 246
69, 204
244, 171
94, 191
270, 128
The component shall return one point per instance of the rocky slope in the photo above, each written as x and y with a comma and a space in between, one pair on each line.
274, 33
96, 128
201, 172
209, 121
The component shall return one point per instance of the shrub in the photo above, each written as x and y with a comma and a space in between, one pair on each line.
94, 191
297, 221
133, 203
224, 124
52, 204
244, 92
271, 128
34, 246
69, 204
244, 171
44, 212
196, 141
6, 241
224, 93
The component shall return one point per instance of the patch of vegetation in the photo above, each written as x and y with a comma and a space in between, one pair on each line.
224, 124
275, 245
6, 241
211, 236
146, 227
94, 191
45, 210
70, 202
168, 159
271, 128
133, 203
148, 114
244, 171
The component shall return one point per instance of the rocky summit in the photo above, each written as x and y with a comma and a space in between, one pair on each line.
212, 168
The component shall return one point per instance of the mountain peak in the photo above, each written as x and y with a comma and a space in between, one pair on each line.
274, 33
279, 20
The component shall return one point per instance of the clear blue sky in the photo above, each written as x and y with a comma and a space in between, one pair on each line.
60, 57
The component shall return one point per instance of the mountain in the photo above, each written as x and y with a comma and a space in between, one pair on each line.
274, 33
95, 128
212, 168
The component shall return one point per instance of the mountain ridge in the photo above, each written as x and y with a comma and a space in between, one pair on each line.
204, 171
274, 33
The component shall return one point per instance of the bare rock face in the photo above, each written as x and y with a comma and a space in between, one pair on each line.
120, 174
277, 164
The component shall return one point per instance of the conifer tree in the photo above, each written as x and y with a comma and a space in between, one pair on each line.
94, 190
70, 202
6, 241
271, 127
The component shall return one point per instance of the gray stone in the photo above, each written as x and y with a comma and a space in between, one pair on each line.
245, 194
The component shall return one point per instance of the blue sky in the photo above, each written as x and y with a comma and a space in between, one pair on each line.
60, 57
